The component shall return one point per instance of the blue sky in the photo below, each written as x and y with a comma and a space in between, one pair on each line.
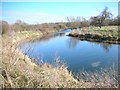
42, 12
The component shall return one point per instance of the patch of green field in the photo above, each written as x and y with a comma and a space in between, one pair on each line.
105, 30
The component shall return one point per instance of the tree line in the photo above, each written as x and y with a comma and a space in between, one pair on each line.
105, 18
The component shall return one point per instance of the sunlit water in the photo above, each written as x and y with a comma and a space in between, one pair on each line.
78, 55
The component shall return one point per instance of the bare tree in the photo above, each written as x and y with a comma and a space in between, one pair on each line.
74, 22
105, 14
98, 20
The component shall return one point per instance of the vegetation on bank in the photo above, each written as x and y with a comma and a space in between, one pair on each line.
108, 34
26, 35
18, 70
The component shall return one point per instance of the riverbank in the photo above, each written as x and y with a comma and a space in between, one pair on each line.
18, 70
106, 34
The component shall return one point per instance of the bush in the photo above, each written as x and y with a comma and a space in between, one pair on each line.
5, 26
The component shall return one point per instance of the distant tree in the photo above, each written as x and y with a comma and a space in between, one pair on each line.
73, 22
20, 26
71, 19
116, 20
98, 20
78, 19
84, 22
94, 21
77, 22
105, 14
20, 22
5, 27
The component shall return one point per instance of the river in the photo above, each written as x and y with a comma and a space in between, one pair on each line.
78, 55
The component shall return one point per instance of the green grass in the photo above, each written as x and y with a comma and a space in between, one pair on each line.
109, 34
105, 30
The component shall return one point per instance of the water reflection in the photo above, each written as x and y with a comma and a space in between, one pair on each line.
105, 46
72, 42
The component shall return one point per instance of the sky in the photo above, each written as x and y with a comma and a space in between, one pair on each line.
45, 12
60, 0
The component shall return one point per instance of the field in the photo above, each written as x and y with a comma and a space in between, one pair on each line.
108, 34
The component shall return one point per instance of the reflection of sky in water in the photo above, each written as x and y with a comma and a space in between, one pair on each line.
77, 54
96, 64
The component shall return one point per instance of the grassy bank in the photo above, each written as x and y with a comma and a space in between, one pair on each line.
18, 70
107, 34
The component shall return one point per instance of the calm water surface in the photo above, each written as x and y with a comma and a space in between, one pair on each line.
78, 55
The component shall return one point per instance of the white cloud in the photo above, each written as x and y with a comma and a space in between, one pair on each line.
30, 17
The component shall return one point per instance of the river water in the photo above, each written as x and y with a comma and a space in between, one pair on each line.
78, 55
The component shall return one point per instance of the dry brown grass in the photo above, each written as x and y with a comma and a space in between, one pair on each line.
104, 78
18, 70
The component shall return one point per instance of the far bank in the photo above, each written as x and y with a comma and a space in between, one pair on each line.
106, 34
